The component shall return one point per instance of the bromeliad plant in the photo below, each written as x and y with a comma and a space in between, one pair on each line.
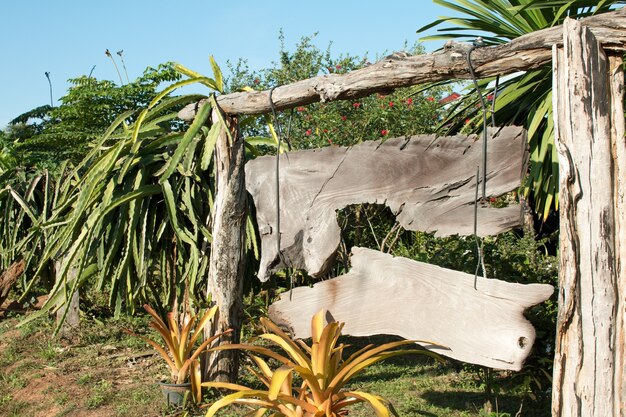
320, 366
180, 334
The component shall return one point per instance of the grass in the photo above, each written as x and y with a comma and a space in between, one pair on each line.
102, 374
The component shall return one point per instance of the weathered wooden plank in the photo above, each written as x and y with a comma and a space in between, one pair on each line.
427, 181
589, 131
381, 294
524, 53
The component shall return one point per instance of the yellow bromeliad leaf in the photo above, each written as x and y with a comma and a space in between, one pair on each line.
240, 397
374, 401
279, 377
195, 377
208, 316
317, 326
290, 348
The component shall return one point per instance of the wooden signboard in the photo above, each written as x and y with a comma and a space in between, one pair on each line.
428, 182
482, 324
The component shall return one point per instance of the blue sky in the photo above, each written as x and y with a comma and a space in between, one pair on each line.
68, 37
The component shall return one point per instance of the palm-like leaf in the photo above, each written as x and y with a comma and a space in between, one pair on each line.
525, 98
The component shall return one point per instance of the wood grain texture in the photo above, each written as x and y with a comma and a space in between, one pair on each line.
427, 181
618, 130
589, 133
524, 53
228, 261
381, 294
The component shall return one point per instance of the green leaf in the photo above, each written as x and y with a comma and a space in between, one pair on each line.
196, 125
209, 144
217, 74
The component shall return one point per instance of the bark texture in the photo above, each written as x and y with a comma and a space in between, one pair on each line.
9, 277
589, 361
69, 312
227, 264
524, 53
482, 324
429, 182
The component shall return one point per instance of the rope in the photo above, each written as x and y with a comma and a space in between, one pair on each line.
493, 102
279, 134
478, 43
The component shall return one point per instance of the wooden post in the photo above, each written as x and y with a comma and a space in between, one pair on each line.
589, 121
227, 264
70, 324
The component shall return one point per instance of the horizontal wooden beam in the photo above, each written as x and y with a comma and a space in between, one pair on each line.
481, 323
527, 52
428, 182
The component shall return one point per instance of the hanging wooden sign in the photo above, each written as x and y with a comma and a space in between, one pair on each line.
428, 182
482, 324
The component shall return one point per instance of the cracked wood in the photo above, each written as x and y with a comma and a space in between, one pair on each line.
589, 367
428, 182
484, 325
524, 53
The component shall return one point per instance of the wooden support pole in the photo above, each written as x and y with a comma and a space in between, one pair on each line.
227, 264
589, 134
525, 53
618, 142
71, 319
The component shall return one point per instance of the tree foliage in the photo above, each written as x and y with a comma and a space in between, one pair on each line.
343, 123
45, 136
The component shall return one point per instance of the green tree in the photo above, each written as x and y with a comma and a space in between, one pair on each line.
526, 98
45, 136
403, 112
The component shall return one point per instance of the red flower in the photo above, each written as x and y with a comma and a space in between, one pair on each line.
391, 104
384, 132
301, 109
257, 81
409, 101
325, 130
338, 67
490, 97
343, 118
356, 105
431, 99
468, 121
308, 132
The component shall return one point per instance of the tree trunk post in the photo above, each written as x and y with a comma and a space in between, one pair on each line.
227, 263
70, 325
589, 135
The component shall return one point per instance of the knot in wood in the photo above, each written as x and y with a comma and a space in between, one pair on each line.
457, 50
328, 89
398, 55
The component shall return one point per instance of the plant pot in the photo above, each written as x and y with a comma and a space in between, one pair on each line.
175, 394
